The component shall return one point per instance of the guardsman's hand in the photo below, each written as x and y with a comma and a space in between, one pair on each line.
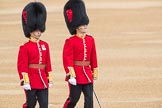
72, 81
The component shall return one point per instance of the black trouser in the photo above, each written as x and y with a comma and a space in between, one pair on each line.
34, 95
75, 92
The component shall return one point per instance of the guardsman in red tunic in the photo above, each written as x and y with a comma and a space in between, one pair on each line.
34, 65
79, 55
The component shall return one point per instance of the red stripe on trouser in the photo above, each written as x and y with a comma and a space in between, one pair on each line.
66, 103
25, 104
68, 100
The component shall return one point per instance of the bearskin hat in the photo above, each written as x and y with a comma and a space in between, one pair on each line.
33, 18
75, 15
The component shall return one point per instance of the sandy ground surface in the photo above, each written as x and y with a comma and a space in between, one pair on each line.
128, 36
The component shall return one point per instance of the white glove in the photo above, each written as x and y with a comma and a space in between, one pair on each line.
72, 81
26, 87
50, 84
94, 81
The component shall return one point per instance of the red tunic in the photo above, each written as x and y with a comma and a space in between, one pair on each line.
78, 49
34, 53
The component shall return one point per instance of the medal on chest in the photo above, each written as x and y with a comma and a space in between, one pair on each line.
43, 47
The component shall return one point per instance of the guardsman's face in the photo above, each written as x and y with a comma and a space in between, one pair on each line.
83, 28
36, 34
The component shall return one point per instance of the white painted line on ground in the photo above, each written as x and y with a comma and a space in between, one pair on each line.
140, 33
140, 100
10, 22
125, 5
11, 92
98, 5
150, 41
